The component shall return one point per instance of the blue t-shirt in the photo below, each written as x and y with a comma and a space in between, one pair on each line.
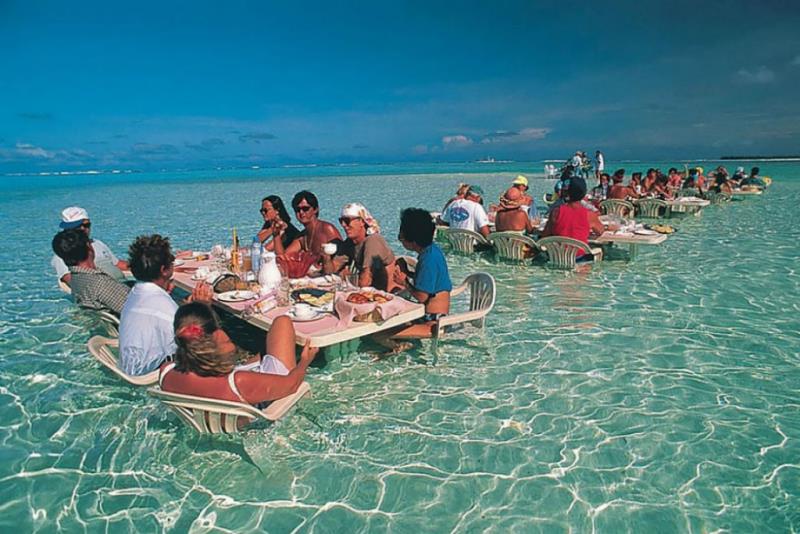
431, 274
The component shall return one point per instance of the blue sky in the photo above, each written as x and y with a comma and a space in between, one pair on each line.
198, 84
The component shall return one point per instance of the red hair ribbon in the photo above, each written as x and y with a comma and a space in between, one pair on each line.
191, 331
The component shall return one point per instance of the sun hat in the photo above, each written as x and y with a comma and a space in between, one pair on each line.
73, 217
356, 210
520, 180
739, 169
511, 198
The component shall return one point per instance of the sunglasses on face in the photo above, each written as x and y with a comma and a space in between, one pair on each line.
264, 211
346, 221
86, 225
303, 209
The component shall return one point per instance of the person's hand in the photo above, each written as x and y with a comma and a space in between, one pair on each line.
264, 234
279, 227
309, 352
202, 292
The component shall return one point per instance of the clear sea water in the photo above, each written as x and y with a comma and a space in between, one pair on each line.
659, 395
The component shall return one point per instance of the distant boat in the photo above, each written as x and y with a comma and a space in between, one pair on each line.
492, 160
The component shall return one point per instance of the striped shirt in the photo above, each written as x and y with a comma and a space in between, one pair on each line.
93, 288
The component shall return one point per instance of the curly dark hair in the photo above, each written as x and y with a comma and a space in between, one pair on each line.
147, 255
308, 196
72, 246
417, 226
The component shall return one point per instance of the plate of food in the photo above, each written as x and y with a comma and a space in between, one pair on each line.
239, 295
364, 297
645, 231
313, 296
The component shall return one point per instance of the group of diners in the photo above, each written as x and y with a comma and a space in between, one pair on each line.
183, 339
656, 184
515, 211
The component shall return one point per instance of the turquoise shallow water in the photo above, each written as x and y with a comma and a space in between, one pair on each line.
658, 394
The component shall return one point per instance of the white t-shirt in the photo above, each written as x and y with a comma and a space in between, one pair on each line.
146, 336
601, 163
104, 259
465, 214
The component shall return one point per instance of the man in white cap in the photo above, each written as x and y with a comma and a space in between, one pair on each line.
106, 261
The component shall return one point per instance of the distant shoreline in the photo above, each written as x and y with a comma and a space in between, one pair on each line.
760, 158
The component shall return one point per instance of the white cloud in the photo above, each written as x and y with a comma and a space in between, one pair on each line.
456, 140
31, 151
761, 75
420, 149
506, 136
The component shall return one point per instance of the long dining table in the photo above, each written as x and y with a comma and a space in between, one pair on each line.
326, 331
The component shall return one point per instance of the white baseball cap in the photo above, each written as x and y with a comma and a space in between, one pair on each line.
73, 217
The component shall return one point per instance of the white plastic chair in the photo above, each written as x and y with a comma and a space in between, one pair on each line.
650, 208
101, 348
563, 251
213, 416
512, 245
615, 206
463, 240
482, 292
110, 321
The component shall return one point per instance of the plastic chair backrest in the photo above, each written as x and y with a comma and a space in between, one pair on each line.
512, 245
650, 208
462, 240
101, 348
615, 206
562, 251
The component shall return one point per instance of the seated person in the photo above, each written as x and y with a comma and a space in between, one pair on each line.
600, 191
572, 219
700, 179
276, 222
460, 192
430, 283
674, 179
618, 190
526, 201
206, 360
721, 183
649, 181
691, 181
738, 176
75, 217
754, 179
635, 185
468, 213
315, 232
510, 217
365, 251
661, 187
91, 287
146, 337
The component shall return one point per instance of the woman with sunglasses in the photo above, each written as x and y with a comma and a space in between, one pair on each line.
315, 232
276, 223
364, 252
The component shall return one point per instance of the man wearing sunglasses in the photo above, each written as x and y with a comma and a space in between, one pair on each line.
315, 232
365, 251
104, 259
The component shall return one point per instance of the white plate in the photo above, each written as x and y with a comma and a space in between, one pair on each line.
317, 315
645, 232
236, 296
178, 263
